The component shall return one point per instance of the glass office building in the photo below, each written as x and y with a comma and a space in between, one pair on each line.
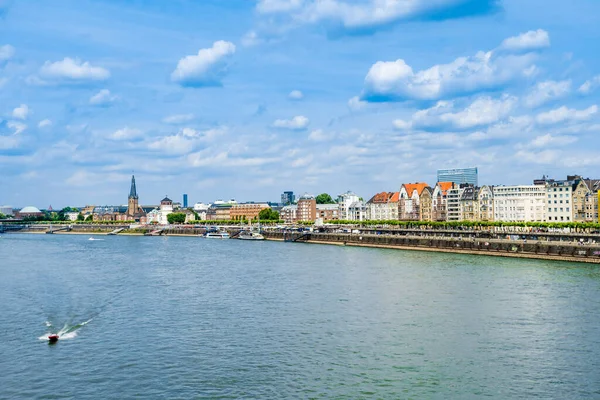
458, 175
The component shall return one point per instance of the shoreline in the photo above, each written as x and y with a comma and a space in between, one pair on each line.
529, 256
522, 255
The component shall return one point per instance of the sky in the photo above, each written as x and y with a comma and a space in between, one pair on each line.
246, 99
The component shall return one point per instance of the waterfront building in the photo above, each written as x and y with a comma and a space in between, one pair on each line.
560, 200
579, 196
485, 203
288, 198
409, 201
71, 216
327, 212
307, 208
159, 215
383, 206
288, 213
219, 211
459, 175
246, 211
344, 201
357, 211
439, 200
29, 212
469, 201
520, 203
426, 204
201, 209
6, 210
453, 200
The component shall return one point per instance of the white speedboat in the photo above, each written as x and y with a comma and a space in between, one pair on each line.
217, 235
250, 235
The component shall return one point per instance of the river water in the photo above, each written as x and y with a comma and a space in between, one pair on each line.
182, 318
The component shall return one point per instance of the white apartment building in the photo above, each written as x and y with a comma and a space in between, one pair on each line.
453, 206
560, 201
521, 203
344, 202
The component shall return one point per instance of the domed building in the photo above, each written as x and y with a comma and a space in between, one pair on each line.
29, 212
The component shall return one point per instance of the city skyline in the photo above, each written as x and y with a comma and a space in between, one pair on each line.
251, 98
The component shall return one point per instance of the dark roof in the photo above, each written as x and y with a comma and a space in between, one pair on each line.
166, 199
133, 190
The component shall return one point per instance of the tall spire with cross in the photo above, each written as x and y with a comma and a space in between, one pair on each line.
133, 191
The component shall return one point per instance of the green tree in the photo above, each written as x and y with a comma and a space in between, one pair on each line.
267, 214
324, 198
89, 218
176, 218
80, 217
2, 216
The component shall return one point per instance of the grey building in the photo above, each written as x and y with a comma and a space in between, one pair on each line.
459, 175
288, 198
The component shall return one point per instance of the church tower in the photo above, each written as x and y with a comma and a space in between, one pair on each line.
132, 204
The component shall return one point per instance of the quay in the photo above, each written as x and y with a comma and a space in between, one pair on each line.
520, 243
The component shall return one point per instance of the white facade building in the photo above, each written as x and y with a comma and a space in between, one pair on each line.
453, 206
357, 211
6, 210
344, 202
159, 215
522, 203
560, 201
201, 209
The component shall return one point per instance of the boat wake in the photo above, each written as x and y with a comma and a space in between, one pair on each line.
95, 239
67, 331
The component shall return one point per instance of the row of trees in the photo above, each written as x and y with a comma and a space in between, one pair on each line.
474, 224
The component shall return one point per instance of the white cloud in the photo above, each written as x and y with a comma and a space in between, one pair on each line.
18, 127
21, 112
395, 80
126, 134
355, 103
251, 38
206, 68
540, 157
72, 70
482, 111
44, 123
363, 14
544, 92
590, 85
296, 95
178, 119
277, 6
9, 142
103, 98
297, 123
6, 52
532, 40
318, 135
564, 114
550, 140
186, 140
302, 161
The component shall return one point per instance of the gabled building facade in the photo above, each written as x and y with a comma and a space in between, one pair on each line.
439, 199
409, 201
383, 207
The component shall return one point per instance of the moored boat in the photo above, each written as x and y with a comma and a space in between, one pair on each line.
217, 235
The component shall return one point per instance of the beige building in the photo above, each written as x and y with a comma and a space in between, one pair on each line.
383, 207
288, 213
486, 203
439, 199
246, 211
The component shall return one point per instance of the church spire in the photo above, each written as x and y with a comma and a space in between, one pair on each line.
133, 191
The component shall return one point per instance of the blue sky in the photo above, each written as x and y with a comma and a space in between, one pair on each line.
248, 98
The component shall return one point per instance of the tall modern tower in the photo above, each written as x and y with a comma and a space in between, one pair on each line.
132, 203
459, 175
185, 201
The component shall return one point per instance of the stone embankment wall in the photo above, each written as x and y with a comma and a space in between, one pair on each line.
565, 251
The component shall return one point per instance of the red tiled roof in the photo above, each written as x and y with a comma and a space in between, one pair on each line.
395, 197
411, 187
444, 186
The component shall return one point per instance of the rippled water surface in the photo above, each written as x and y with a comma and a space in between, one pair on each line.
173, 317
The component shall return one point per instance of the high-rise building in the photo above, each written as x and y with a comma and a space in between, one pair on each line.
458, 175
288, 198
185, 201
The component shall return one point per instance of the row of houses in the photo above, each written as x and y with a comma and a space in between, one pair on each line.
574, 199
